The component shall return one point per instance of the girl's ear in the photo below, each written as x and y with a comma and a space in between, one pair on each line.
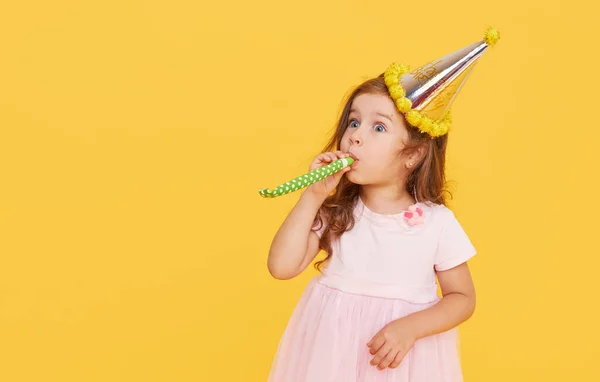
422, 150
417, 154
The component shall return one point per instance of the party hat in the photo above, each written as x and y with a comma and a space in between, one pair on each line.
425, 95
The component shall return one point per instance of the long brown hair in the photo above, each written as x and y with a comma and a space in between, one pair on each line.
426, 181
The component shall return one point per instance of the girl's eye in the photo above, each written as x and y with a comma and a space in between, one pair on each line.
379, 127
353, 123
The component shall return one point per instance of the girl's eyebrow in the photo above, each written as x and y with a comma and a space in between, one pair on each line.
378, 113
385, 116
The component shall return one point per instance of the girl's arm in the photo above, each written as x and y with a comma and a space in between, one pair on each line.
295, 245
457, 305
392, 343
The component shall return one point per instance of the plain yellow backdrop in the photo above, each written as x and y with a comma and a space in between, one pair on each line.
134, 136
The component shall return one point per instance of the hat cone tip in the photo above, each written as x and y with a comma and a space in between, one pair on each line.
491, 36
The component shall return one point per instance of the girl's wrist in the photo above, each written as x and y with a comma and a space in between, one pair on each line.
313, 198
407, 327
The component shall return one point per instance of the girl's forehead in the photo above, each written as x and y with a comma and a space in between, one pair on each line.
373, 103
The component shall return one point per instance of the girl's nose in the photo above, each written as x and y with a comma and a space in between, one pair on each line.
355, 138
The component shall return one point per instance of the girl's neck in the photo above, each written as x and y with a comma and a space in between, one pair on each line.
386, 200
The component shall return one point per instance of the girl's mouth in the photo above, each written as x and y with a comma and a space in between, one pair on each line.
353, 165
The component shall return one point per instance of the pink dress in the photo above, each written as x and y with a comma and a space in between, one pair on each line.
381, 270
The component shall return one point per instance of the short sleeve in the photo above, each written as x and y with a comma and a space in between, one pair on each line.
454, 246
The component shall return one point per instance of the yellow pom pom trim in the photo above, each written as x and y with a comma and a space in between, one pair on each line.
396, 91
415, 118
491, 36
403, 104
391, 80
426, 125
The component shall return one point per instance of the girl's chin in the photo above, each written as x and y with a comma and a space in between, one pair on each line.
353, 176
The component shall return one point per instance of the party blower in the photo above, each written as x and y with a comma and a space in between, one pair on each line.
307, 179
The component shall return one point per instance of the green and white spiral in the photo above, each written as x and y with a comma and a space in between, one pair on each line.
307, 179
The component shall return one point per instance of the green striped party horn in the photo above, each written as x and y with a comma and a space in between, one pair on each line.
307, 179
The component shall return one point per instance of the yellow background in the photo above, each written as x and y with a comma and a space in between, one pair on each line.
134, 136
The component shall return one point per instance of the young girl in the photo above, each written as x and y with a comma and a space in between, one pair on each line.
374, 314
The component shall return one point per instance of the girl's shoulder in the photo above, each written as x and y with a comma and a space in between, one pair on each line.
439, 209
438, 215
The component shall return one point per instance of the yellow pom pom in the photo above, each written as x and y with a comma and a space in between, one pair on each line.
491, 36
403, 104
397, 70
391, 80
436, 130
396, 91
403, 69
393, 70
426, 125
444, 127
413, 117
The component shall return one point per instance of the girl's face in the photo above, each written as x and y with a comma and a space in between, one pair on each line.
374, 137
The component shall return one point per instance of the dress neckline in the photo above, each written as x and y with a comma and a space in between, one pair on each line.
394, 215
396, 220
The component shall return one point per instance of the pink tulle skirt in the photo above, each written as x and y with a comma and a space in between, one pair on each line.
327, 335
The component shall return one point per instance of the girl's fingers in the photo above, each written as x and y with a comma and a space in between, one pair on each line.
338, 175
322, 159
376, 344
328, 157
381, 355
340, 155
388, 359
397, 360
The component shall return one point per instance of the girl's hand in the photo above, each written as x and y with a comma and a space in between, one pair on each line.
390, 345
325, 186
